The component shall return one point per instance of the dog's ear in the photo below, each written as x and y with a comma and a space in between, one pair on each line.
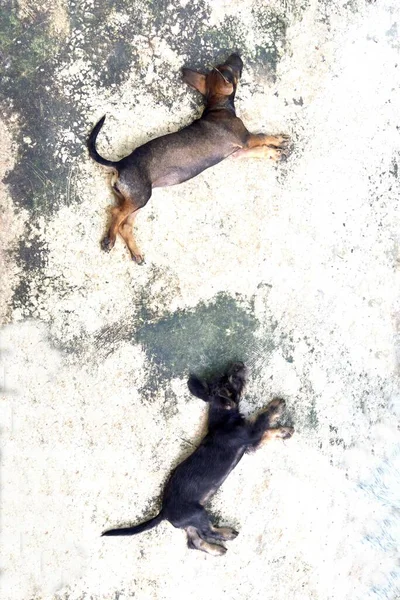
198, 388
195, 80
224, 87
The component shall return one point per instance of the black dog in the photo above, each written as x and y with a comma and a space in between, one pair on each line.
198, 477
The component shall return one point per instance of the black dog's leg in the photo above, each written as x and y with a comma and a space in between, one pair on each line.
221, 534
208, 531
282, 433
274, 410
265, 421
197, 542
201, 530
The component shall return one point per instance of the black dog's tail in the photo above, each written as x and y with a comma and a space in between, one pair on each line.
91, 144
138, 529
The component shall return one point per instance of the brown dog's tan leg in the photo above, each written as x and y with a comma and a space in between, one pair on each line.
261, 139
195, 541
260, 152
118, 216
126, 232
260, 145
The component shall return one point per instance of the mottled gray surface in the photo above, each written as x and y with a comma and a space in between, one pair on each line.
294, 269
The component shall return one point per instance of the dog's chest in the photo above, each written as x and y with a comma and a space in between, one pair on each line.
219, 480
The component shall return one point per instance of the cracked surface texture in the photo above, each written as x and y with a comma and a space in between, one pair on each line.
293, 269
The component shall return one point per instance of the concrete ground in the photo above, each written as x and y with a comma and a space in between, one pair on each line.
292, 268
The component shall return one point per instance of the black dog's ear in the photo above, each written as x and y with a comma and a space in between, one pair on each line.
198, 388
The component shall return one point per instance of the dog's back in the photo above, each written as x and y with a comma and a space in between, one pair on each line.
204, 471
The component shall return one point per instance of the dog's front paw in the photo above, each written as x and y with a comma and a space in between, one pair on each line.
286, 432
283, 140
232, 534
276, 406
138, 259
274, 410
107, 244
282, 153
276, 153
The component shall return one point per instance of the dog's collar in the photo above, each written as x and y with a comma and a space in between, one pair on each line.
222, 75
220, 107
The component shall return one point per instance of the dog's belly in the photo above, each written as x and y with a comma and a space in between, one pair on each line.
216, 486
177, 157
174, 175
200, 475
213, 489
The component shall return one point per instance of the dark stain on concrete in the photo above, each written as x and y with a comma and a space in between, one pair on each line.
201, 341
118, 63
197, 42
29, 58
106, 42
32, 257
32, 251
272, 29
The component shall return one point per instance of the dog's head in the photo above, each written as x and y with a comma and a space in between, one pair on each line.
221, 81
223, 392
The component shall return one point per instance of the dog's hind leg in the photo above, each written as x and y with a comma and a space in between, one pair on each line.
208, 531
126, 232
129, 205
118, 216
222, 533
197, 542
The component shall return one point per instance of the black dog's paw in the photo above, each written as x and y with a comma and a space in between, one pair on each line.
276, 406
274, 410
225, 533
286, 432
107, 244
233, 534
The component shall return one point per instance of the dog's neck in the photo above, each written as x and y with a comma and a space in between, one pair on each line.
216, 103
221, 417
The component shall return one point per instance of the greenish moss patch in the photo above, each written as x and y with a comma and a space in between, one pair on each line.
202, 340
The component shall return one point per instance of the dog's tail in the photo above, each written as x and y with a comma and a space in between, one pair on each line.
138, 528
91, 144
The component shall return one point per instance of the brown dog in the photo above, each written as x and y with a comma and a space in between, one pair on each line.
177, 157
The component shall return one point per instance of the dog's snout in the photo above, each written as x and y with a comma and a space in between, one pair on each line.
239, 369
235, 62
